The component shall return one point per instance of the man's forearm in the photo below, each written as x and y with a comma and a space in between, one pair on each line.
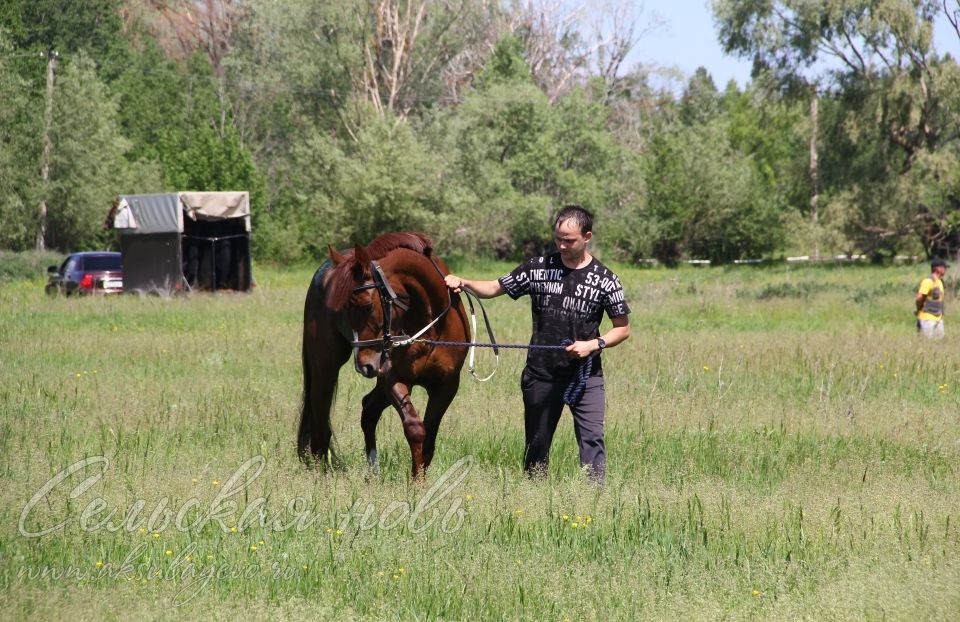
484, 289
481, 289
617, 334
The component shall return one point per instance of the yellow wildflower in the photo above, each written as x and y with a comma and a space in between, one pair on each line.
99, 563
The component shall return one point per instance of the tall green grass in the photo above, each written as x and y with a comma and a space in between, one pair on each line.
781, 445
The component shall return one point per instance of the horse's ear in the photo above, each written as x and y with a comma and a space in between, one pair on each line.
362, 258
335, 257
361, 255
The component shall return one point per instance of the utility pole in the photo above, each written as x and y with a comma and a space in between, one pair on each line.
47, 152
814, 199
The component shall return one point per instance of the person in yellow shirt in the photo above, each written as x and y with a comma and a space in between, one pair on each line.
930, 301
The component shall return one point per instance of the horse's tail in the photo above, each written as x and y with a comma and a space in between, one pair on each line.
315, 436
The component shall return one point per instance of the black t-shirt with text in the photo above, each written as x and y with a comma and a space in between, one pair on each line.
566, 304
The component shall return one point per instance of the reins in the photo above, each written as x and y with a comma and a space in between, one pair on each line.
388, 341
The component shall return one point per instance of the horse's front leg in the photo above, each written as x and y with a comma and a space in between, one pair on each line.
374, 404
413, 427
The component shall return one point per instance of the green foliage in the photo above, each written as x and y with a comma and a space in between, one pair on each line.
151, 90
775, 134
390, 182
88, 166
337, 146
889, 109
506, 65
92, 26
19, 156
700, 102
523, 157
706, 199
27, 266
207, 160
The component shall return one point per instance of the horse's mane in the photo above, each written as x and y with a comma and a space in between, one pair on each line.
340, 283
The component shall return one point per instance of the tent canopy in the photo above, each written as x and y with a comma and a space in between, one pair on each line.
164, 213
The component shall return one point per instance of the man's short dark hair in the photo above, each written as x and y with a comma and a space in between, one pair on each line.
938, 263
582, 217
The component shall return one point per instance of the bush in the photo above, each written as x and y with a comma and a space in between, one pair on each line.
26, 266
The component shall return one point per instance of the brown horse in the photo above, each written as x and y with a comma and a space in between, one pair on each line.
369, 301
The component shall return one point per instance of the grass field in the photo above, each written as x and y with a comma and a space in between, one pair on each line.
781, 446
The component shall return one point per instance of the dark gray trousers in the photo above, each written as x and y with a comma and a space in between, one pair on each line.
542, 407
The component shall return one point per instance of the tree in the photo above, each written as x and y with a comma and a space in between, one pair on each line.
19, 155
88, 166
94, 26
883, 52
523, 157
700, 101
705, 200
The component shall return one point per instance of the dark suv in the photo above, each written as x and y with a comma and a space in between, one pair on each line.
87, 273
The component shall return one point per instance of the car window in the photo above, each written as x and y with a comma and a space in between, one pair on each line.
101, 262
71, 264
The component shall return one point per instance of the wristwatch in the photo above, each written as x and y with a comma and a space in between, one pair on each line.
601, 343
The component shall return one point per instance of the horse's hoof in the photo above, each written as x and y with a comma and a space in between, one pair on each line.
373, 463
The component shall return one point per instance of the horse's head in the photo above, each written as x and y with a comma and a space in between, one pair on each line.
359, 294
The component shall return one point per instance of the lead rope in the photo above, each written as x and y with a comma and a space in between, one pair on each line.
471, 353
578, 384
572, 394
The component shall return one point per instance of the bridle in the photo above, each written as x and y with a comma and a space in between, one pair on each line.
388, 300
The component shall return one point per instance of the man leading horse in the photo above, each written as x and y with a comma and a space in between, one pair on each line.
569, 292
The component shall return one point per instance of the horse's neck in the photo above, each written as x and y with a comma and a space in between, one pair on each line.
424, 283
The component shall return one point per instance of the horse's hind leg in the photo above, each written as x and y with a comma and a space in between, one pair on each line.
441, 396
315, 429
320, 387
374, 403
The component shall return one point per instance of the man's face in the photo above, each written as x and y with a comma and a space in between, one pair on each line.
940, 271
571, 242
